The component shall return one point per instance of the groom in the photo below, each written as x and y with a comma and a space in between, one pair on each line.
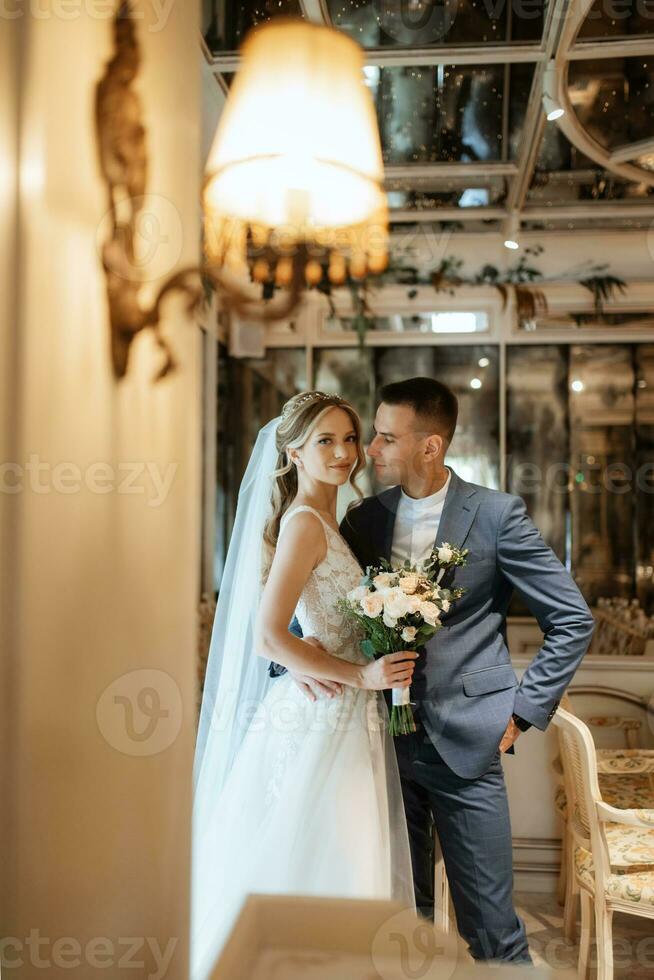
470, 707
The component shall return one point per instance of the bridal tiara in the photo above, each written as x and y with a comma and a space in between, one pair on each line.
309, 396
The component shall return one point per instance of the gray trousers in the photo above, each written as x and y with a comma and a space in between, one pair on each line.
471, 817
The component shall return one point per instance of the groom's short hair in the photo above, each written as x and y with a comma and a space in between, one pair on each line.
432, 401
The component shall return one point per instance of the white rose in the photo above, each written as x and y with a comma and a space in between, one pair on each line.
389, 621
372, 604
430, 613
396, 603
446, 605
409, 583
358, 594
409, 634
445, 553
383, 581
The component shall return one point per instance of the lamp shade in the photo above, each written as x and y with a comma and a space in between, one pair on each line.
296, 159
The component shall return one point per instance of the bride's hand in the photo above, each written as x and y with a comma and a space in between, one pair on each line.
391, 670
312, 687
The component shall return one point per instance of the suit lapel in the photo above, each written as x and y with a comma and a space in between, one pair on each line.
389, 501
458, 513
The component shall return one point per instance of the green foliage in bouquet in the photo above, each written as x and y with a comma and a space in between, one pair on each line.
399, 608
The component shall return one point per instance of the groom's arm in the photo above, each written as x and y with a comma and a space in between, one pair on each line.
276, 670
550, 593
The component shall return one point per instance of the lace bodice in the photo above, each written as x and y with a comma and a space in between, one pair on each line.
337, 574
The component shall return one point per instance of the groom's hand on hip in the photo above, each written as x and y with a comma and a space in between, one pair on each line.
510, 735
312, 687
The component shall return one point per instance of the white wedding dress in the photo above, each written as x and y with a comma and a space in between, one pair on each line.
313, 804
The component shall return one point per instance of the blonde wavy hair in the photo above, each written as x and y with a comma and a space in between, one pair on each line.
299, 417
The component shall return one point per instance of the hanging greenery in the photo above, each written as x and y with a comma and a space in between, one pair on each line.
603, 289
521, 279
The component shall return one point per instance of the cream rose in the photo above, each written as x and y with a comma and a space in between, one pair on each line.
430, 613
446, 605
384, 580
372, 604
414, 603
409, 583
396, 603
409, 634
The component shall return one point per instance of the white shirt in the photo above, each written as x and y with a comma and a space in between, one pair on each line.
416, 524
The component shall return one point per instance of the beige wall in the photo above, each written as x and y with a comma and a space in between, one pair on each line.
8, 343
98, 584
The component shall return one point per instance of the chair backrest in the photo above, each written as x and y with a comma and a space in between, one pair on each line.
583, 792
580, 773
566, 703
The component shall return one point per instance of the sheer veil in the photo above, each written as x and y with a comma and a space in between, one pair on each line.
236, 680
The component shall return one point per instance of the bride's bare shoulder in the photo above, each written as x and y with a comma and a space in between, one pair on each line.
303, 532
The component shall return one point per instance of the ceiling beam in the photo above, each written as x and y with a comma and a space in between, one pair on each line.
433, 171
488, 54
632, 48
631, 151
596, 210
534, 121
406, 216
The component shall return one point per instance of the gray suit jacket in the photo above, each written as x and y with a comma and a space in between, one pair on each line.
464, 684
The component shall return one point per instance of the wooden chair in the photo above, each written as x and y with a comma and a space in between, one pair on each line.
603, 888
626, 780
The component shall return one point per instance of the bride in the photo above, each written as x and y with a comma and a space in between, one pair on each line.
294, 793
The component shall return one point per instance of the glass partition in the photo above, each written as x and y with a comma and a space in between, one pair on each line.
577, 433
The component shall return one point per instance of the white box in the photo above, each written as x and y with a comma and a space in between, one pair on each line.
281, 937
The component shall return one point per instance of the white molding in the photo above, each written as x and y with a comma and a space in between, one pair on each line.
392, 298
538, 843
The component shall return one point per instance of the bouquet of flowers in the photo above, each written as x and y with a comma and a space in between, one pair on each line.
400, 609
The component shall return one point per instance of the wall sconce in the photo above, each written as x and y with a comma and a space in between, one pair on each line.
293, 188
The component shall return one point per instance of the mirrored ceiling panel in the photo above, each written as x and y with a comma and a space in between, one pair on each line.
614, 99
615, 20
564, 174
406, 231
224, 25
423, 23
565, 178
450, 113
468, 193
